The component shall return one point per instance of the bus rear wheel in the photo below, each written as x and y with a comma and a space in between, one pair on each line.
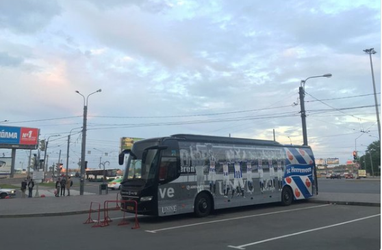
203, 205
286, 196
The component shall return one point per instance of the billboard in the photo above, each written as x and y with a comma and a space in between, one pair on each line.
127, 142
333, 161
5, 165
19, 137
320, 161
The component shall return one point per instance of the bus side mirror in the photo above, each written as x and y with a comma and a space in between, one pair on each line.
121, 156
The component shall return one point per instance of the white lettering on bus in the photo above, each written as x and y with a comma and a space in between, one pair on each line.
299, 170
169, 209
169, 192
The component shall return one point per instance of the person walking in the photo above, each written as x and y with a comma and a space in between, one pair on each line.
30, 187
69, 183
23, 188
62, 184
58, 185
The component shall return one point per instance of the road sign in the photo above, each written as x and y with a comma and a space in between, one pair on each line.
38, 175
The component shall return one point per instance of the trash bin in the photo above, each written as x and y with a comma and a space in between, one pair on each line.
103, 186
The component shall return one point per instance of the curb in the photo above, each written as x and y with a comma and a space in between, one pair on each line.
45, 214
350, 203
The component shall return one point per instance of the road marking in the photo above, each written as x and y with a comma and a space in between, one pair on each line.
302, 232
236, 218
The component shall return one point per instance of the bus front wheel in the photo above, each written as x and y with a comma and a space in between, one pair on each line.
203, 205
286, 196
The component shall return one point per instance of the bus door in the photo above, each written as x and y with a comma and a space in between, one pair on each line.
168, 173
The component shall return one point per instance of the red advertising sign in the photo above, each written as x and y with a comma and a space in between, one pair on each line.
28, 136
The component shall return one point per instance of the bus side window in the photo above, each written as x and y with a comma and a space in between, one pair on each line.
167, 169
172, 172
163, 171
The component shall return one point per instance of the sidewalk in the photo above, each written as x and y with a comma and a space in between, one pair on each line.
76, 204
51, 205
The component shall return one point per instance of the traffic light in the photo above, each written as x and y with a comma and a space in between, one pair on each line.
32, 162
41, 164
59, 167
355, 155
35, 163
42, 145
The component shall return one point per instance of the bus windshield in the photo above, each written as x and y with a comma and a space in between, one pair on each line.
142, 169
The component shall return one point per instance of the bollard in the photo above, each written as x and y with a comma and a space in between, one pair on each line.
103, 187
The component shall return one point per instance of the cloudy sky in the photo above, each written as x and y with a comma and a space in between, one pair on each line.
201, 67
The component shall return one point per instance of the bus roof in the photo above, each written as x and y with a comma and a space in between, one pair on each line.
221, 139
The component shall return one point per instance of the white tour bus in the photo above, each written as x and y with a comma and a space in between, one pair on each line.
194, 173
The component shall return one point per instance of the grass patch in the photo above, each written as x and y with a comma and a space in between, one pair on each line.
9, 186
45, 184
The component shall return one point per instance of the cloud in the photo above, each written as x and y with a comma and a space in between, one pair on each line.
27, 16
9, 61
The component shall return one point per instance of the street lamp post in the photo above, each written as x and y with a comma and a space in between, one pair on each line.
100, 158
83, 146
370, 52
103, 164
302, 106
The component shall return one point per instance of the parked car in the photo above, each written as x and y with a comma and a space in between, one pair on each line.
115, 184
4, 192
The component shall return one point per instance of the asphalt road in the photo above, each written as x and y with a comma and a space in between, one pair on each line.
300, 226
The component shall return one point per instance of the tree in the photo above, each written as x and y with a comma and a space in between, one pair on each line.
372, 158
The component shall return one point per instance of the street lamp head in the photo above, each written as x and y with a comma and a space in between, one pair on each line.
370, 51
327, 75
99, 90
77, 91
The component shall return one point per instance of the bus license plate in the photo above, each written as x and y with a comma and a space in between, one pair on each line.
130, 208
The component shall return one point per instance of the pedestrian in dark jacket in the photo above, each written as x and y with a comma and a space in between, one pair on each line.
23, 187
30, 187
63, 183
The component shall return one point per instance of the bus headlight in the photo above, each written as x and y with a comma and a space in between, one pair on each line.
147, 198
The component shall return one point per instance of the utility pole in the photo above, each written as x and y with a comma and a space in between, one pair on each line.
371, 164
370, 52
67, 156
46, 151
29, 163
67, 152
59, 157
